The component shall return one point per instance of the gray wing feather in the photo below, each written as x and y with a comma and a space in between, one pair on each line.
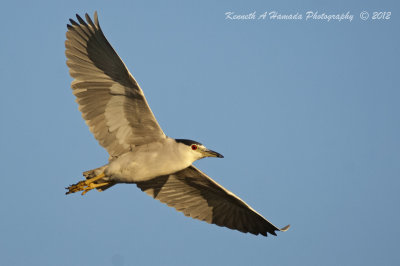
198, 196
112, 103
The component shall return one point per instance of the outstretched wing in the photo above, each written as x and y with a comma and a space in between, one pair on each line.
196, 195
112, 103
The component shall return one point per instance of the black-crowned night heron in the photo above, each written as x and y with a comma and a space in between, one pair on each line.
116, 111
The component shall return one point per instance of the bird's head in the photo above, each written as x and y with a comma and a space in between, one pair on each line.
197, 150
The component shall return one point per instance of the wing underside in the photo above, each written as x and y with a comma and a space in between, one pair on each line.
112, 103
196, 195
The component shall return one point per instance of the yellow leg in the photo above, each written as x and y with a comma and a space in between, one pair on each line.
91, 180
86, 185
92, 186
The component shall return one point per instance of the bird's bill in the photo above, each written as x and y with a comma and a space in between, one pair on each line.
210, 153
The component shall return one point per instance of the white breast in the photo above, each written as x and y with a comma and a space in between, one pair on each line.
151, 160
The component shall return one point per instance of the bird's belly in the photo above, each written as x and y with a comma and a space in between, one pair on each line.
135, 168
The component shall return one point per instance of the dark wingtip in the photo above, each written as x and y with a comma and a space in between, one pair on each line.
73, 22
284, 229
96, 19
80, 19
89, 20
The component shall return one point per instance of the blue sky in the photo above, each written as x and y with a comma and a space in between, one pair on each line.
306, 114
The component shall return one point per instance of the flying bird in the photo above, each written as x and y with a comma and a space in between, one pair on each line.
117, 113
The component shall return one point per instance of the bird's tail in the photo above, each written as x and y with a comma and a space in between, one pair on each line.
95, 172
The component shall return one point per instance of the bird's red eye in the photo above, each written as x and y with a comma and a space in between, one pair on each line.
194, 147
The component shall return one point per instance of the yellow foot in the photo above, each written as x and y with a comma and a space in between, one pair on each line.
86, 185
